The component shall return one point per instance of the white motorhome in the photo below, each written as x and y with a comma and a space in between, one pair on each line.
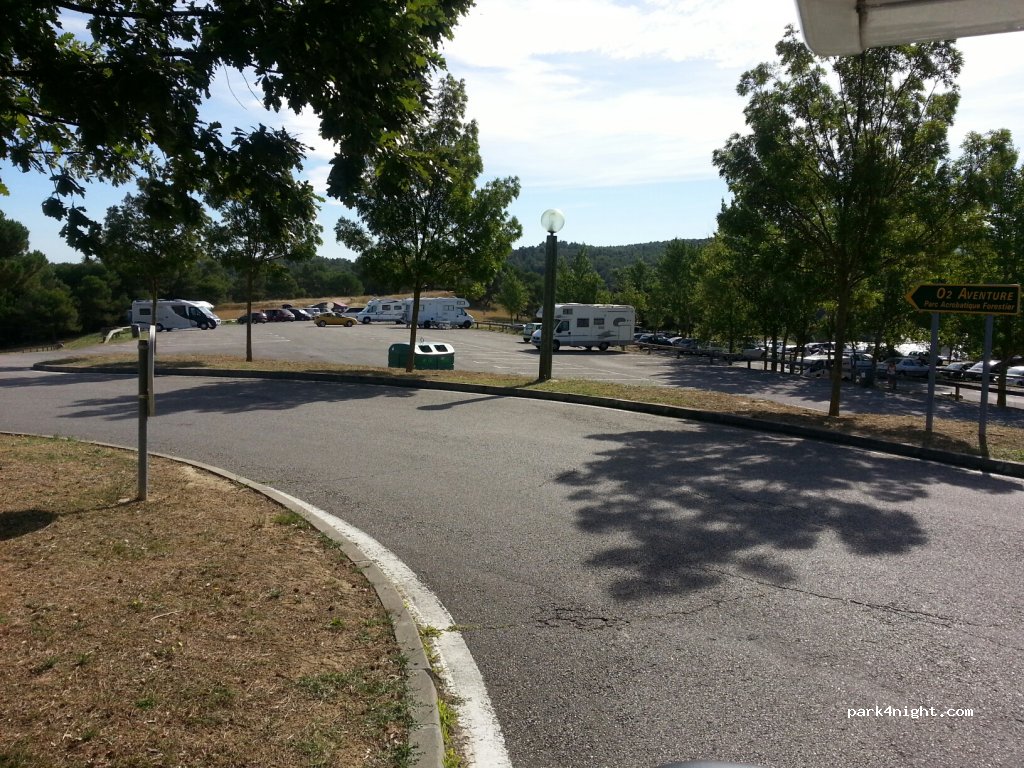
590, 325
174, 313
440, 312
382, 311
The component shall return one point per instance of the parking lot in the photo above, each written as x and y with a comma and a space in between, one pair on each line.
496, 352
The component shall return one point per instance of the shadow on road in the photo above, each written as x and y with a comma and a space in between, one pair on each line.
684, 510
216, 395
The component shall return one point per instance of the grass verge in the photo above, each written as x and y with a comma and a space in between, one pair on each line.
203, 627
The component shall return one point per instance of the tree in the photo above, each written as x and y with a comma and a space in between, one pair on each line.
266, 214
97, 292
128, 85
675, 271
425, 222
152, 237
994, 243
34, 304
578, 281
512, 293
839, 168
636, 285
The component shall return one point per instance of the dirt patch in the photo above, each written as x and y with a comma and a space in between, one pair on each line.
206, 626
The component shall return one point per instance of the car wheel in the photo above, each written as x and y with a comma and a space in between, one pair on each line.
203, 326
603, 346
426, 324
366, 321
467, 325
555, 345
321, 323
159, 328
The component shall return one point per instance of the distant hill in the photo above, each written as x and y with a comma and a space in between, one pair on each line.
605, 258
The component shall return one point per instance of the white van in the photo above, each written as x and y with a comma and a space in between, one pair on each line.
382, 311
174, 313
590, 325
440, 312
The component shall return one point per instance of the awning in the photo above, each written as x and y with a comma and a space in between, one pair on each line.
842, 27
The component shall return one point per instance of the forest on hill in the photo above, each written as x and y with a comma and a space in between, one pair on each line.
604, 258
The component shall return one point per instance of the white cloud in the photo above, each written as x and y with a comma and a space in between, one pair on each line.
594, 93
603, 96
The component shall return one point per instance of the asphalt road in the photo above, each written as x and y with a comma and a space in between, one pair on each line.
637, 590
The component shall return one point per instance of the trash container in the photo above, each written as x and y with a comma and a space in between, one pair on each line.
429, 356
135, 330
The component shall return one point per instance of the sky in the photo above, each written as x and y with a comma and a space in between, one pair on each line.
608, 110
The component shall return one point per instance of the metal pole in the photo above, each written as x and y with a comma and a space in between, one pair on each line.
547, 320
144, 393
933, 360
983, 408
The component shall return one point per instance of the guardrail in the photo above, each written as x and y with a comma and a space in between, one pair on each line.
492, 325
41, 348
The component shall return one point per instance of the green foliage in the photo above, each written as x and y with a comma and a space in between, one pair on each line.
424, 221
35, 306
839, 171
128, 85
578, 281
512, 293
266, 214
153, 236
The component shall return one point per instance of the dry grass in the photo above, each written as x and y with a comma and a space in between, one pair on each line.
1004, 442
205, 627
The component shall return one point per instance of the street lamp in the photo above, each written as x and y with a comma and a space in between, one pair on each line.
552, 220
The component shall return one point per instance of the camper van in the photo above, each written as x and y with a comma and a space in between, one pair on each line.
174, 313
440, 313
382, 311
590, 325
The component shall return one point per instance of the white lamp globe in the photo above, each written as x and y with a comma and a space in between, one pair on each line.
552, 220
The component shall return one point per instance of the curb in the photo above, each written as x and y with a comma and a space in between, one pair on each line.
961, 460
425, 734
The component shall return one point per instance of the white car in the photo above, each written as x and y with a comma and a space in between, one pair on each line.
528, 330
912, 366
817, 366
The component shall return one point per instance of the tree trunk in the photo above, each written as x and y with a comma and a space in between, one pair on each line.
414, 327
248, 309
842, 313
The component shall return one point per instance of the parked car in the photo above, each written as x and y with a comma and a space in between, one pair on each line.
686, 344
955, 370
300, 314
752, 351
818, 366
528, 330
278, 315
912, 366
353, 310
1015, 376
660, 339
995, 368
335, 318
253, 317
313, 311
974, 373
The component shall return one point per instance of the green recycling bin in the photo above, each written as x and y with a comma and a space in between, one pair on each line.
429, 356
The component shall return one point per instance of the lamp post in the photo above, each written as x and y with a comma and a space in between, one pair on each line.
552, 220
